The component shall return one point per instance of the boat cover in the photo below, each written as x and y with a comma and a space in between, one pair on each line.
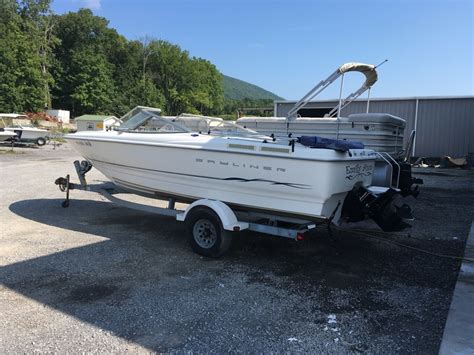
328, 143
367, 69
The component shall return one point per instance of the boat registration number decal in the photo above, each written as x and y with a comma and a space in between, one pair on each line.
358, 170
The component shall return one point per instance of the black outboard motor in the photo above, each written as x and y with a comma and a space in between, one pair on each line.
408, 184
361, 203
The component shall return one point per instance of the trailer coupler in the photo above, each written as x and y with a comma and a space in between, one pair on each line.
65, 184
361, 203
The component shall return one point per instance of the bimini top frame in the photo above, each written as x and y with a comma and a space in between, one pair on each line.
368, 70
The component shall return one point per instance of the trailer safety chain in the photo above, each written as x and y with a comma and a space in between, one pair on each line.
62, 183
329, 221
65, 185
455, 257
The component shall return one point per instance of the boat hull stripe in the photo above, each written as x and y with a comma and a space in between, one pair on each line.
289, 184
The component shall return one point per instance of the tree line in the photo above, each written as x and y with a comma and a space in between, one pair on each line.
77, 62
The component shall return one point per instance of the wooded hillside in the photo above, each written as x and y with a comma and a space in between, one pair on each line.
77, 62
236, 89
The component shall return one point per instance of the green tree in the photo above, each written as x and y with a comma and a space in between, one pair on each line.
83, 70
77, 62
206, 94
168, 66
24, 56
188, 85
37, 18
91, 82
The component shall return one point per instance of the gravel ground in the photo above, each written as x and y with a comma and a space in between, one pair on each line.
99, 278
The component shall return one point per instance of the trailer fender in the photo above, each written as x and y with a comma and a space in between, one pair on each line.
226, 215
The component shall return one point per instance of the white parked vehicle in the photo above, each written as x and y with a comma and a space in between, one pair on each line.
217, 166
29, 134
6, 135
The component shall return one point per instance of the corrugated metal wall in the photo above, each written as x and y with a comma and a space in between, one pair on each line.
445, 126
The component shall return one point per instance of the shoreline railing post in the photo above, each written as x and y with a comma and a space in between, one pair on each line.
368, 100
339, 108
416, 127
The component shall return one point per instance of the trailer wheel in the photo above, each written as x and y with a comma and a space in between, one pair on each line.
41, 141
206, 234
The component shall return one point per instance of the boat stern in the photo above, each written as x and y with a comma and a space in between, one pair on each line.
355, 198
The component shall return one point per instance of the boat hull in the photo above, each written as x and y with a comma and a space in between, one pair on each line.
279, 184
28, 135
5, 135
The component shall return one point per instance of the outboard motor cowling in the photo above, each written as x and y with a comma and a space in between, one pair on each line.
361, 203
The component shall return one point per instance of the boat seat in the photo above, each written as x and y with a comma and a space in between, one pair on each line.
328, 143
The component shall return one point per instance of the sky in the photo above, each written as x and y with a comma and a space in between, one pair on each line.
287, 47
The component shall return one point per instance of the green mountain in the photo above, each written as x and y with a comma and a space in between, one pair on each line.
236, 89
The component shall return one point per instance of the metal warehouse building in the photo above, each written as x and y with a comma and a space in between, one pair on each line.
444, 125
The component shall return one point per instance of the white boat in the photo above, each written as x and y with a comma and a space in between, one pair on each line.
29, 133
6, 135
207, 158
381, 132
378, 131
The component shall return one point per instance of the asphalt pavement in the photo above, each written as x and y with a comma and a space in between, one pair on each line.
100, 278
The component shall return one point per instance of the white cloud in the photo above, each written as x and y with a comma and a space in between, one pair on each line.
92, 4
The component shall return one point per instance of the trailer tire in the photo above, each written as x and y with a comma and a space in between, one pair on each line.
206, 233
41, 141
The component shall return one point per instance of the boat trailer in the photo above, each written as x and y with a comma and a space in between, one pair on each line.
209, 223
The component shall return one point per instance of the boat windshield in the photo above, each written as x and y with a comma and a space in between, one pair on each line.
149, 120
211, 125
